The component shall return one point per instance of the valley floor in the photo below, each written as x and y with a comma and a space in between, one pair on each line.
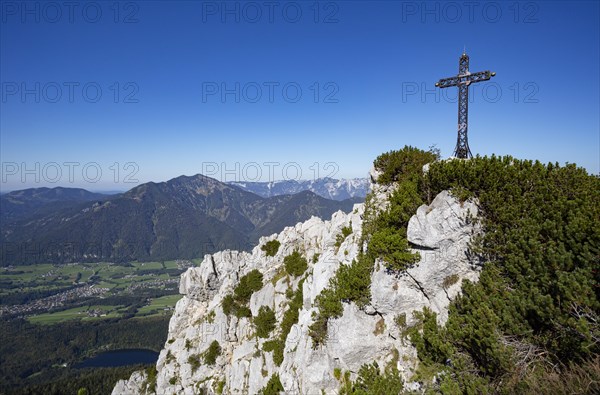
54, 316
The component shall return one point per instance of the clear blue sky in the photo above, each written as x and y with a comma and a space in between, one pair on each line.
366, 71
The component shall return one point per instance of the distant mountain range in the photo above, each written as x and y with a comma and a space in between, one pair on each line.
185, 217
329, 188
21, 204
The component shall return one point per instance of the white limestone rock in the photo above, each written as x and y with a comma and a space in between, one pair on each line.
132, 386
439, 232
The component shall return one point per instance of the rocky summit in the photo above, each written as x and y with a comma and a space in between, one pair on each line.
222, 335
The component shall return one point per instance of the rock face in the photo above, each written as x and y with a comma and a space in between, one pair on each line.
440, 233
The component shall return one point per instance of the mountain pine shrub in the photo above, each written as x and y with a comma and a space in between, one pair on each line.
295, 264
250, 283
271, 247
273, 387
346, 231
371, 381
211, 354
534, 313
237, 303
265, 321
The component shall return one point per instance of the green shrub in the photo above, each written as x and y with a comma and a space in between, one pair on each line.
295, 264
352, 283
220, 386
265, 321
346, 231
277, 346
229, 306
289, 293
211, 354
249, 283
273, 387
541, 248
330, 306
403, 204
291, 315
236, 303
271, 247
400, 320
150, 382
194, 361
398, 165
173, 380
337, 373
170, 357
315, 257
210, 317
392, 247
370, 381
243, 312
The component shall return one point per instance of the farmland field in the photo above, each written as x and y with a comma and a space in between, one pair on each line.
46, 293
58, 315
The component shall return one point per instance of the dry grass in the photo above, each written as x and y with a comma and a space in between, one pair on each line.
379, 327
576, 379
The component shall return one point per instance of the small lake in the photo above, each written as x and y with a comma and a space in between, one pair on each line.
116, 358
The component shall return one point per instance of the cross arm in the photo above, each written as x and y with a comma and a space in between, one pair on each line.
462, 79
448, 82
480, 76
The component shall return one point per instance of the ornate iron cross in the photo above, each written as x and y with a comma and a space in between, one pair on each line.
463, 80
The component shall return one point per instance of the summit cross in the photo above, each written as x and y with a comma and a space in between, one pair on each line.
463, 80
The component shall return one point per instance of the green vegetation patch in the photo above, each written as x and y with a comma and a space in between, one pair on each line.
295, 264
352, 283
149, 384
237, 303
249, 283
395, 165
211, 354
273, 387
290, 317
271, 247
532, 318
371, 381
194, 361
346, 231
276, 346
265, 321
